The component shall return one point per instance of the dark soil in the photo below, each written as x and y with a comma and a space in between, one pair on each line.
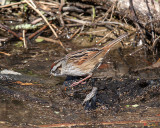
123, 100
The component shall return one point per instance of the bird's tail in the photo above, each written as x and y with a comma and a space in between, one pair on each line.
114, 42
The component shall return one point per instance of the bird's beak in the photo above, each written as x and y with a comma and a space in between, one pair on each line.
51, 73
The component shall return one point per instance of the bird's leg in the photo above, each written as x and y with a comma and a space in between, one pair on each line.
76, 83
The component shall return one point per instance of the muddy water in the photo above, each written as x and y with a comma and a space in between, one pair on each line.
35, 99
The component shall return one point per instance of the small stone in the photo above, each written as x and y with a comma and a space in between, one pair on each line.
6, 71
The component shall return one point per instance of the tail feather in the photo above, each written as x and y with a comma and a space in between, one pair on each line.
116, 41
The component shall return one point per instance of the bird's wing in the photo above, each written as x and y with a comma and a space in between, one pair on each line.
82, 56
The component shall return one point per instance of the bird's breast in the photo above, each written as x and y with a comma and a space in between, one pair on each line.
72, 70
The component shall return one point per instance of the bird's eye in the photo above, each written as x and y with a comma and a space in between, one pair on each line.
56, 69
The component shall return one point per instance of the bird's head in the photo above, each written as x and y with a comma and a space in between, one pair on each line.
56, 68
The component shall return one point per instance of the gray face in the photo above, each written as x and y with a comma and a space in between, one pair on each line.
56, 68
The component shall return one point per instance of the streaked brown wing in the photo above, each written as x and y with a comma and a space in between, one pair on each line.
81, 56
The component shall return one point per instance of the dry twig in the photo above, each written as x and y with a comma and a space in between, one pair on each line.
104, 37
44, 18
8, 5
97, 124
7, 54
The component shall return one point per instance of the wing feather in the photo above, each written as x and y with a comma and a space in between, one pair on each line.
82, 56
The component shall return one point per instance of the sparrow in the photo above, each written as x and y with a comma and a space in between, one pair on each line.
82, 62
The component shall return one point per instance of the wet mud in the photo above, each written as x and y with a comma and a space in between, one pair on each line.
128, 93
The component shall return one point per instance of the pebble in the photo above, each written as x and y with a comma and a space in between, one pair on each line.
6, 71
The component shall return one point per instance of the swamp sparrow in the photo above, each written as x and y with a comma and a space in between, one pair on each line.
82, 62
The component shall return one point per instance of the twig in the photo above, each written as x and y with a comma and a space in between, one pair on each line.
61, 5
155, 42
44, 18
38, 31
62, 45
36, 21
25, 84
103, 30
3, 39
33, 4
24, 40
104, 37
60, 12
10, 31
113, 7
90, 23
93, 13
80, 5
135, 19
74, 33
79, 21
74, 25
7, 54
105, 15
48, 39
134, 52
97, 124
8, 5
55, 4
72, 9
151, 20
